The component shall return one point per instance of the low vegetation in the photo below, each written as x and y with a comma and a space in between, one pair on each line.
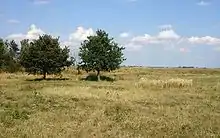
129, 102
166, 83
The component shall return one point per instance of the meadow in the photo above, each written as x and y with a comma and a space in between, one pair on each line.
129, 102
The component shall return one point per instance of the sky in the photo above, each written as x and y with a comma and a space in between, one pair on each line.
154, 32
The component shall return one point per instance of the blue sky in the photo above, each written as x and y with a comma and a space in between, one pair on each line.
154, 32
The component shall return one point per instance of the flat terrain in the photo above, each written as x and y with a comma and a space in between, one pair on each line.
141, 102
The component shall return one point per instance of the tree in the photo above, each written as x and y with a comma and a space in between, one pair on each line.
9, 53
44, 56
100, 53
13, 49
24, 48
3, 53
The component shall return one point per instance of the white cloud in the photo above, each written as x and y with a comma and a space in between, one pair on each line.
132, 46
124, 35
41, 2
169, 39
16, 36
165, 36
168, 34
207, 40
73, 41
13, 21
146, 39
32, 33
75, 38
203, 3
81, 34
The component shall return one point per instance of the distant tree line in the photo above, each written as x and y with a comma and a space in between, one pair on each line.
186, 67
45, 56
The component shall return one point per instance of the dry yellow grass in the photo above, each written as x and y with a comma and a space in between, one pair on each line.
141, 102
168, 83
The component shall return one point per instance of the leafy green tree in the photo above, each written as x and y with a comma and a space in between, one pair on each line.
14, 53
9, 53
3, 53
13, 49
44, 56
100, 53
24, 48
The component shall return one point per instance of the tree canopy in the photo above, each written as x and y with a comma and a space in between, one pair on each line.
2, 53
9, 53
44, 56
100, 53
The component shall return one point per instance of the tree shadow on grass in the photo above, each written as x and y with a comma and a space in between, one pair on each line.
48, 79
93, 77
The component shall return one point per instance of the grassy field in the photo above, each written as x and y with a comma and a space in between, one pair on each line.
132, 102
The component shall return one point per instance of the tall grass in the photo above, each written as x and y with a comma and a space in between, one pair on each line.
167, 83
140, 102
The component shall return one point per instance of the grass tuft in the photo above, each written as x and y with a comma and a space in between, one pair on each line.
168, 83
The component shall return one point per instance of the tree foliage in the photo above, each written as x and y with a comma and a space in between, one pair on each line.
100, 53
9, 53
3, 53
44, 56
13, 49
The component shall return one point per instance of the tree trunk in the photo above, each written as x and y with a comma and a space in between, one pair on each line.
44, 73
98, 75
78, 71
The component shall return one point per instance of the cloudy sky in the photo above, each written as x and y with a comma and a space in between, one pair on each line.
154, 32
